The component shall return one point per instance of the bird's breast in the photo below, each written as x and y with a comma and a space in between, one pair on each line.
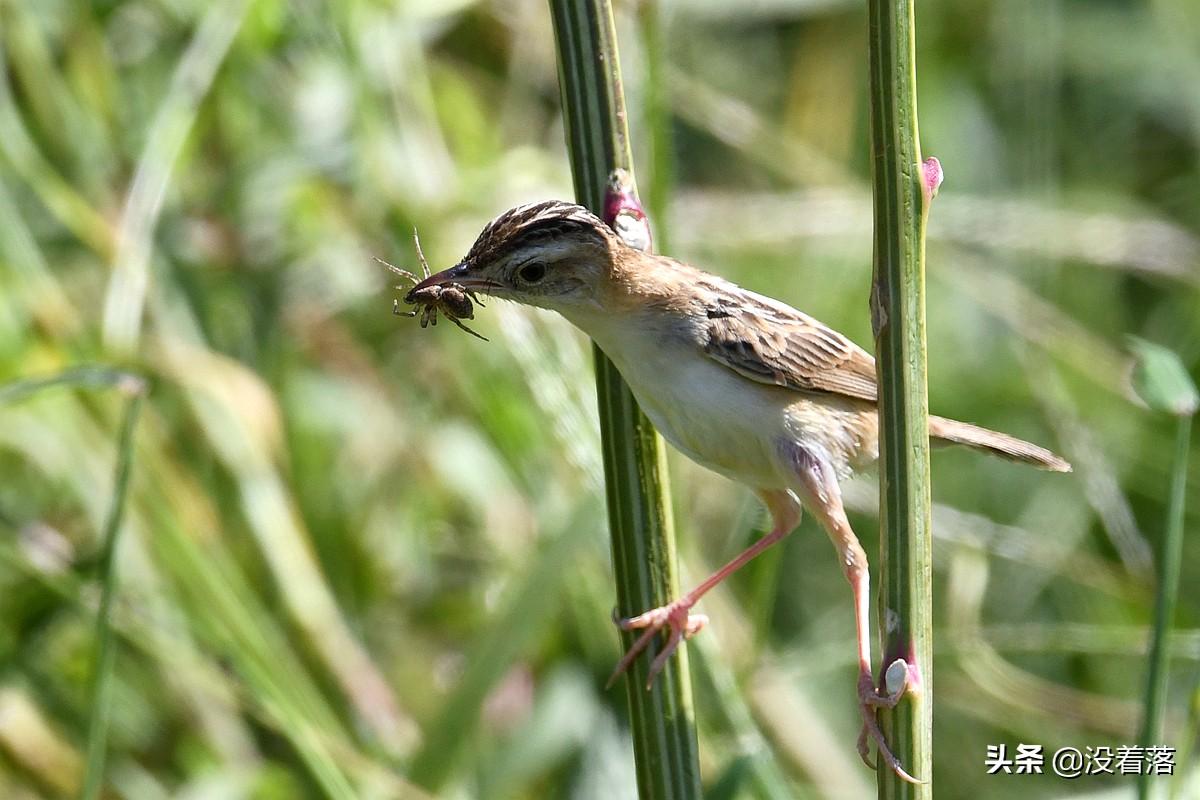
709, 413
724, 421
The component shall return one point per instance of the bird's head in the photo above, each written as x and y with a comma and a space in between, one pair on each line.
551, 254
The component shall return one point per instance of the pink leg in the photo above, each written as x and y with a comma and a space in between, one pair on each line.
819, 491
785, 515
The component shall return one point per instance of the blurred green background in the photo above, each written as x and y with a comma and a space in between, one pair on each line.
362, 559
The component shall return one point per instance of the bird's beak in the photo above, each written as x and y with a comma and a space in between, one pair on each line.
460, 275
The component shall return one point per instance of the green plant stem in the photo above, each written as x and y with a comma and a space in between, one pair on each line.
85, 376
898, 316
1164, 601
102, 677
664, 734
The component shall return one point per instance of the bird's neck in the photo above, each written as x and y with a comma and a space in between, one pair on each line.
638, 282
644, 299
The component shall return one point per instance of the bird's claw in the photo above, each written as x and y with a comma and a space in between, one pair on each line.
673, 616
871, 697
869, 700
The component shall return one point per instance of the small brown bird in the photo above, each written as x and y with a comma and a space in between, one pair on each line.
740, 383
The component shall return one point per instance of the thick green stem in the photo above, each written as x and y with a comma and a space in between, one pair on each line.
898, 315
1164, 604
664, 734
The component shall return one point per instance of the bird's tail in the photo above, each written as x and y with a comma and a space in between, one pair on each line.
1001, 444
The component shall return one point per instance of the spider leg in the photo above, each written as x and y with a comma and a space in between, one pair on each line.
403, 273
420, 255
396, 310
465, 328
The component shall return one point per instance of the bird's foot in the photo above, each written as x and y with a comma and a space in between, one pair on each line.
869, 700
676, 618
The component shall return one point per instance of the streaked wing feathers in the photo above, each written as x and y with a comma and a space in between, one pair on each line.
772, 343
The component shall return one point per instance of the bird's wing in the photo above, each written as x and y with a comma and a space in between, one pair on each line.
772, 343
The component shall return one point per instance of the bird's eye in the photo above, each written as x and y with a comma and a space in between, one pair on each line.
532, 272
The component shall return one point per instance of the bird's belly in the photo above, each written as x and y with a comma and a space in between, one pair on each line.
712, 415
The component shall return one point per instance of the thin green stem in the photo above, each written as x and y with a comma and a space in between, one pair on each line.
898, 316
86, 376
1169, 560
643, 544
102, 674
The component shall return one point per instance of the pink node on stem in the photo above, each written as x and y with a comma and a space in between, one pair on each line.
933, 176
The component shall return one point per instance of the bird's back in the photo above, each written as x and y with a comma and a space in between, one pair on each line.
717, 367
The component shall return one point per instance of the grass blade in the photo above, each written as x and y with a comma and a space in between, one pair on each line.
102, 677
531, 606
1161, 381
190, 83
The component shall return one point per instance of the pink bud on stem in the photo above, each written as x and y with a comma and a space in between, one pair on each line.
624, 214
932, 173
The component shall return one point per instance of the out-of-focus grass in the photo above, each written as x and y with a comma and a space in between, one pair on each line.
340, 525
1162, 383
102, 665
